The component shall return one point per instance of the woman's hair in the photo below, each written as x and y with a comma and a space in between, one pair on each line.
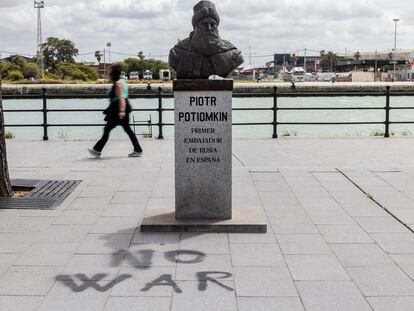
115, 72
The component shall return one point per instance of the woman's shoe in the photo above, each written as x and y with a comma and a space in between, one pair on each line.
94, 153
135, 154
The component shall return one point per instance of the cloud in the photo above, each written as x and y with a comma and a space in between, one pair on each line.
154, 26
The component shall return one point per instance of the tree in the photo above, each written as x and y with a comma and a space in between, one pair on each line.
141, 55
73, 71
329, 60
58, 50
357, 56
135, 64
5, 186
98, 56
15, 75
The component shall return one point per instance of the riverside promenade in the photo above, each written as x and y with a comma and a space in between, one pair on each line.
340, 235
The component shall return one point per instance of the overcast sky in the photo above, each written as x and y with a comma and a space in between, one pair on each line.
154, 26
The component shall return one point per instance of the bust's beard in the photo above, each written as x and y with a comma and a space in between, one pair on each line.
206, 43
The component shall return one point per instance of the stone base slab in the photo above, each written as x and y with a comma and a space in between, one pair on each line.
245, 220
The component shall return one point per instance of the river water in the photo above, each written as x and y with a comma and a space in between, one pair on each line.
87, 133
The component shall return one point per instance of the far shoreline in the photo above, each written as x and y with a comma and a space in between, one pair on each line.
239, 87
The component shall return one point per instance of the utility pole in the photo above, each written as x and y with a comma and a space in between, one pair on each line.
109, 52
39, 5
250, 56
396, 20
376, 65
304, 61
104, 65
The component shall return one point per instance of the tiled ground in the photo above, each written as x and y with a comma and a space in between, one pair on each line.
340, 234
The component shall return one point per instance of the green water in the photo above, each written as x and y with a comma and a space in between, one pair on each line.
86, 133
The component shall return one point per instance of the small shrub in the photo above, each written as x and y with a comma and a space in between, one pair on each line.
288, 133
9, 135
15, 75
376, 133
406, 132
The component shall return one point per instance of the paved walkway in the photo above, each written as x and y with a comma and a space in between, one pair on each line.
340, 214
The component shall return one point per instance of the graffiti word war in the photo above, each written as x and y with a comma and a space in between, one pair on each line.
188, 257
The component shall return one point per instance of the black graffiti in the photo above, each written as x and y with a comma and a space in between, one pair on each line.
87, 282
174, 256
163, 280
203, 278
143, 261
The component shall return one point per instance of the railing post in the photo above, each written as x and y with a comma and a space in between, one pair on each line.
387, 113
160, 136
44, 110
275, 109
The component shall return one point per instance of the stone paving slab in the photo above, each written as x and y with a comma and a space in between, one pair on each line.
339, 213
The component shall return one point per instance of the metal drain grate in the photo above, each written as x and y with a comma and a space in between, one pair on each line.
46, 194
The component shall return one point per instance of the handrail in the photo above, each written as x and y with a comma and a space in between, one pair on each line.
275, 109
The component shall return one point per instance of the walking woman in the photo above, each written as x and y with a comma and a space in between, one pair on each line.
117, 114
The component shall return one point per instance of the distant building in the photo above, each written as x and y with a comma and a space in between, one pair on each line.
101, 69
12, 57
291, 60
381, 60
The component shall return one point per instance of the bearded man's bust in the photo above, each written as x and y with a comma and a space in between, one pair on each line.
204, 53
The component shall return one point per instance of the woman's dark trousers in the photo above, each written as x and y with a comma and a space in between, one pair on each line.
110, 125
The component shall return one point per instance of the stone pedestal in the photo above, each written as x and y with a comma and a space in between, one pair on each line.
203, 149
203, 165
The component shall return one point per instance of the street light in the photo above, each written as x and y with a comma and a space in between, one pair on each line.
396, 20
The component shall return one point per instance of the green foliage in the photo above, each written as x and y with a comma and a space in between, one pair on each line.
376, 133
328, 60
9, 135
14, 75
5, 67
51, 76
58, 50
31, 70
406, 132
18, 63
288, 133
124, 66
73, 71
140, 64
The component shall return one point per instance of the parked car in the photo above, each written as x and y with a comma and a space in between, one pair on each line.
134, 75
165, 74
147, 74
123, 75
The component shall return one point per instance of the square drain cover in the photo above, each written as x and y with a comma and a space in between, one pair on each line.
46, 194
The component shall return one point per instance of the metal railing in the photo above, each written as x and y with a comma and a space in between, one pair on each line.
386, 122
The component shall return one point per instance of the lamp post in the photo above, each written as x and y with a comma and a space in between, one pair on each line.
396, 20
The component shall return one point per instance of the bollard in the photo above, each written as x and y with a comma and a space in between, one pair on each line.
387, 113
275, 109
160, 124
44, 110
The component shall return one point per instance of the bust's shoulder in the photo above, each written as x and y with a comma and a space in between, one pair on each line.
184, 45
227, 45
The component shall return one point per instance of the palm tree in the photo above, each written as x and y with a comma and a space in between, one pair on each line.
5, 186
141, 55
98, 56
357, 56
329, 60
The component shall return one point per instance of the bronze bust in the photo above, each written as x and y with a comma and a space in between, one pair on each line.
204, 53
